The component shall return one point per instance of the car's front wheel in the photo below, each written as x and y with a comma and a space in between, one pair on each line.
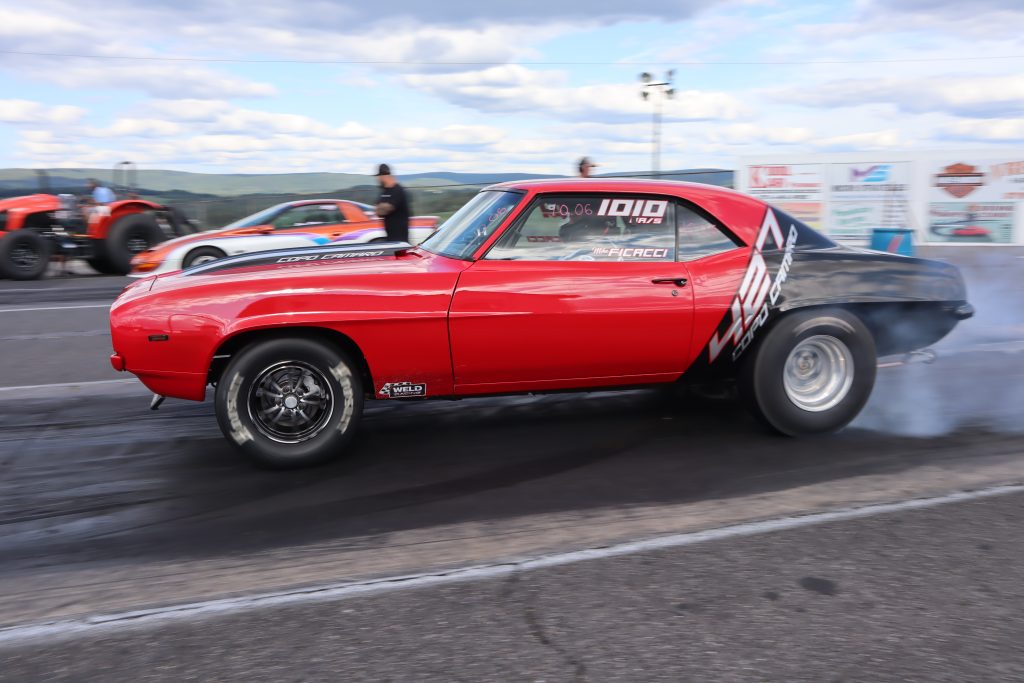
812, 373
290, 402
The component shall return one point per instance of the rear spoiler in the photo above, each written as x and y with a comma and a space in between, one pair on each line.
300, 255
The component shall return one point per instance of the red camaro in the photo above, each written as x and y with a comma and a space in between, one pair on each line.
536, 286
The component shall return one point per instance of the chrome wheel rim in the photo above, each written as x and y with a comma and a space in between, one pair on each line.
25, 257
818, 373
291, 402
199, 260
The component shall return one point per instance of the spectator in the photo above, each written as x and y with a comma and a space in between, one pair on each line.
393, 206
585, 165
100, 193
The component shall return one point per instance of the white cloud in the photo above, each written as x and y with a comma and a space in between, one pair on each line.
977, 96
854, 142
985, 130
748, 133
158, 79
517, 89
29, 112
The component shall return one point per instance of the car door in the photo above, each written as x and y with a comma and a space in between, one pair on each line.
582, 290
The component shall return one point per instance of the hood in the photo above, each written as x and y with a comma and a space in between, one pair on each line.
301, 271
31, 203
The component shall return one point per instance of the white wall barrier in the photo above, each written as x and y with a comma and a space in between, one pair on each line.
945, 197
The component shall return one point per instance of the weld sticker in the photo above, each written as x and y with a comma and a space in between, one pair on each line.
403, 390
758, 291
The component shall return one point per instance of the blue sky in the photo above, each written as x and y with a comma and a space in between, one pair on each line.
484, 86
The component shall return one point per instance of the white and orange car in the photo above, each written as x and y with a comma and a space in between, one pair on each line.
305, 223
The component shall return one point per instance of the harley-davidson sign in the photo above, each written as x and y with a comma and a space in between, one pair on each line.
960, 179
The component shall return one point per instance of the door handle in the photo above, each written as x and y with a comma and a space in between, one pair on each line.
677, 281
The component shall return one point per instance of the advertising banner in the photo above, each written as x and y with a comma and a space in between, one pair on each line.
977, 222
797, 189
989, 192
868, 196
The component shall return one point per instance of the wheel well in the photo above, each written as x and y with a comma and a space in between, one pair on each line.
233, 345
40, 222
901, 326
206, 246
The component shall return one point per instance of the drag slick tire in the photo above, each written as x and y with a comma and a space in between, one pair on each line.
290, 402
201, 255
812, 373
129, 236
24, 255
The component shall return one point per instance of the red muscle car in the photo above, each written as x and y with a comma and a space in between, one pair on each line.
536, 286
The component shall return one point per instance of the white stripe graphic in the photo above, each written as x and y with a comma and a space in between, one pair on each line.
104, 623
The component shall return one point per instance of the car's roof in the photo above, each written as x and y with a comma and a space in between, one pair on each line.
615, 185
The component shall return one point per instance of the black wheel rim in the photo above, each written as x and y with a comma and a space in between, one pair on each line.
137, 243
24, 257
291, 402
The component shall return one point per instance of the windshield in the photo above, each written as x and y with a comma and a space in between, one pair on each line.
471, 225
264, 217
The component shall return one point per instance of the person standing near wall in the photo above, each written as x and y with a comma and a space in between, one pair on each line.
393, 206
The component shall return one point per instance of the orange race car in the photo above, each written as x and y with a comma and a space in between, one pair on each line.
305, 223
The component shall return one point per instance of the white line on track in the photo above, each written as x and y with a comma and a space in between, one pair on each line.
65, 385
53, 308
105, 623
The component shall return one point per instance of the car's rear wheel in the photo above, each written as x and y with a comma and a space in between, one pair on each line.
24, 255
290, 402
812, 373
201, 255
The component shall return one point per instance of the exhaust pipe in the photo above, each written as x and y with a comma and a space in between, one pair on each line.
920, 356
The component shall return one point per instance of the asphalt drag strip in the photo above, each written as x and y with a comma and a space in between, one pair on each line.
922, 591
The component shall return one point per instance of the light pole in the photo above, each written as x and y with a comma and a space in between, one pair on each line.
650, 90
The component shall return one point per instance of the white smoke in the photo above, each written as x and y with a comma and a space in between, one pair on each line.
977, 381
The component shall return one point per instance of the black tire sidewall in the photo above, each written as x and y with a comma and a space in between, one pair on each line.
761, 376
118, 256
19, 238
231, 402
200, 251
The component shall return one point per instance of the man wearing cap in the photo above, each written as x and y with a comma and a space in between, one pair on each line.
393, 206
584, 167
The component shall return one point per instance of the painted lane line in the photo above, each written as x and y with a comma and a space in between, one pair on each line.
53, 308
105, 623
65, 385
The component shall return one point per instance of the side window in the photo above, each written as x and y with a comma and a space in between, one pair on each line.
590, 228
308, 215
699, 236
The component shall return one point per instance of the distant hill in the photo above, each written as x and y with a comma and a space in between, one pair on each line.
169, 183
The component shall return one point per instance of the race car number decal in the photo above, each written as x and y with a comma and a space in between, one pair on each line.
403, 389
641, 211
757, 292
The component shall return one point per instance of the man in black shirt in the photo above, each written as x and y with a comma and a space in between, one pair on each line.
393, 206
